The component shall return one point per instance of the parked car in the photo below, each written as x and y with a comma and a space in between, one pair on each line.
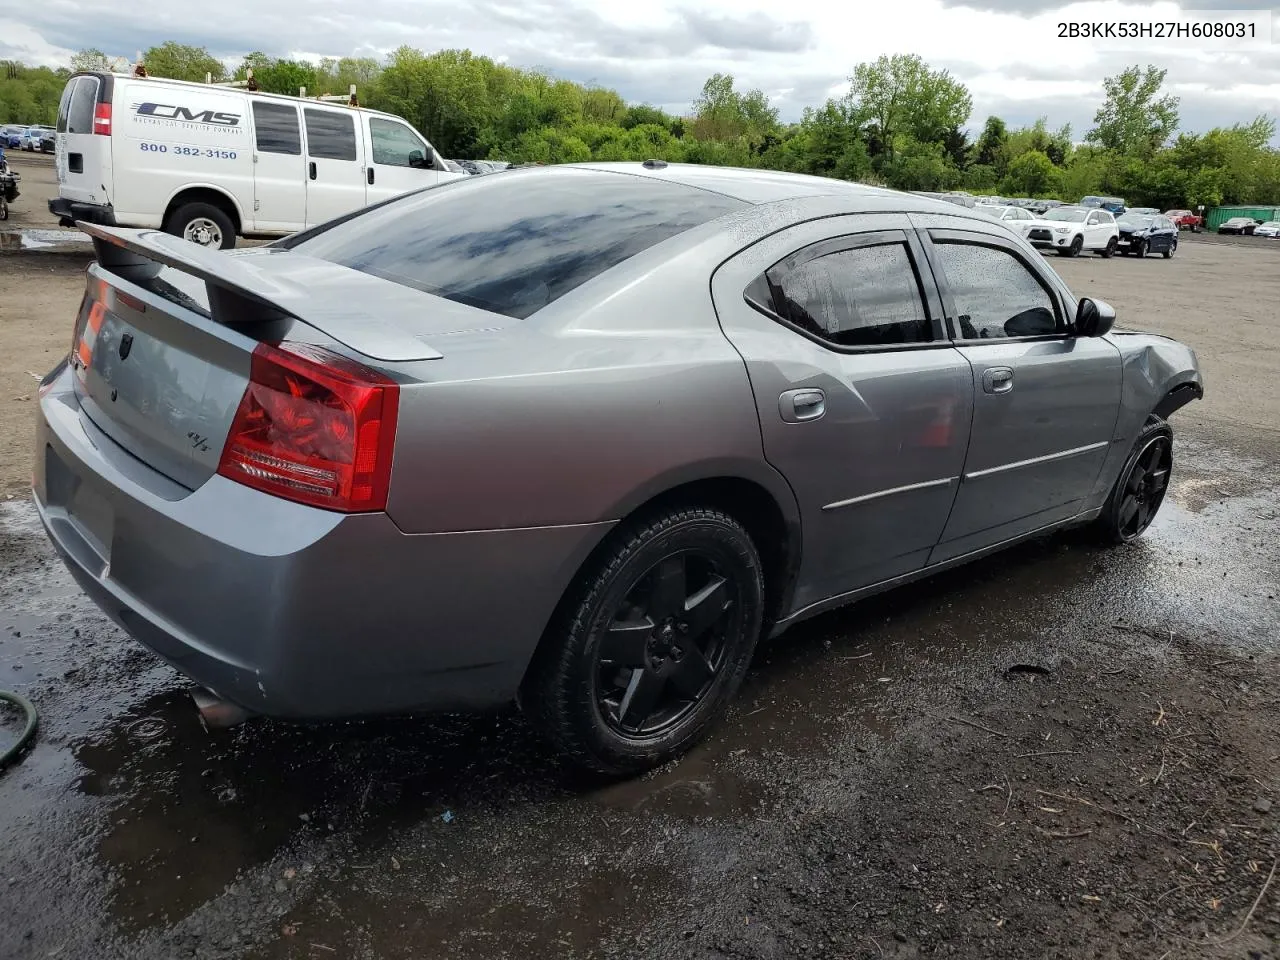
1113, 205
1073, 230
453, 166
480, 167
11, 137
209, 163
1185, 220
660, 411
1017, 219
33, 138
1141, 234
1270, 228
1038, 207
1244, 225
1143, 211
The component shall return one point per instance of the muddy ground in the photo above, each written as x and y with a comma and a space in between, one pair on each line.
1063, 751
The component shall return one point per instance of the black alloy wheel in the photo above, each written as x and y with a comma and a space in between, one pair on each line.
665, 645
650, 644
1140, 247
1142, 485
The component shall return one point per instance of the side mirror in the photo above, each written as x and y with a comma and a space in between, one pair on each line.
1094, 318
416, 159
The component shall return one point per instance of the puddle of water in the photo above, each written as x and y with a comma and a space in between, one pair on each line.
45, 241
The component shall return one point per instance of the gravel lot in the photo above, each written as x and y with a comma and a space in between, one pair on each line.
1063, 751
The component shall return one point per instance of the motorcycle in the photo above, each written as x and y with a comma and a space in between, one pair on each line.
8, 186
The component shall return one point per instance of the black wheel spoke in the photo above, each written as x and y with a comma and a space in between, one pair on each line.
1135, 479
623, 644
669, 590
1128, 512
1144, 514
644, 690
1157, 480
691, 674
706, 607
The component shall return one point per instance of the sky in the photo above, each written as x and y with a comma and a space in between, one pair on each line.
660, 51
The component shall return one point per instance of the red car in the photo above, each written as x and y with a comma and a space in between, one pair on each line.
1185, 220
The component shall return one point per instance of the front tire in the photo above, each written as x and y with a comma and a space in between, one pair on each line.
1140, 248
651, 644
1141, 487
1109, 250
1074, 250
203, 224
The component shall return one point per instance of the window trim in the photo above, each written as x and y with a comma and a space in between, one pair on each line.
938, 236
854, 241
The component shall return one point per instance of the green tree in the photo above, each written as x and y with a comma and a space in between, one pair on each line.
900, 96
90, 59
179, 61
1135, 119
1030, 175
990, 148
722, 113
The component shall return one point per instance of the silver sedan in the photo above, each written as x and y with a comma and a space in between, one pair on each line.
576, 436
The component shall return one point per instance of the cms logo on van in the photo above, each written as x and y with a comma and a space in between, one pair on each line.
168, 111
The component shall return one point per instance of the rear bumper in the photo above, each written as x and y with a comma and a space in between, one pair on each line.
69, 211
291, 611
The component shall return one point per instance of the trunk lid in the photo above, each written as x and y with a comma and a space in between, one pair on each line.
166, 333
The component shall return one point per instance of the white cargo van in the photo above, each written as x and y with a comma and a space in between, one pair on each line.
209, 162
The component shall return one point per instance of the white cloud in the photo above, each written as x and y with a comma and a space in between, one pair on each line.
660, 51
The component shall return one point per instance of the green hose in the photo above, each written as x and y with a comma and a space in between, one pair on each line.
12, 754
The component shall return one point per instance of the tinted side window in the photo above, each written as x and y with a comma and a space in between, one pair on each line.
861, 297
330, 135
394, 143
515, 243
995, 294
275, 127
80, 110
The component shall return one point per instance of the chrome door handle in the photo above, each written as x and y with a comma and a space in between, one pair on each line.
798, 406
997, 379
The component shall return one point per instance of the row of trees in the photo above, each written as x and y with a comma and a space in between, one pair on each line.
900, 123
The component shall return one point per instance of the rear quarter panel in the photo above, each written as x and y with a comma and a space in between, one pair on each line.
166, 138
615, 393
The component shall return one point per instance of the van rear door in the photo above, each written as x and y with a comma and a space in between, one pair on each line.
279, 169
335, 163
82, 154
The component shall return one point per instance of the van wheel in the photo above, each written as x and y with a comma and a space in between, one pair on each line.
652, 644
202, 223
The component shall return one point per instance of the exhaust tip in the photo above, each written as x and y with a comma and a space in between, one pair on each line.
216, 713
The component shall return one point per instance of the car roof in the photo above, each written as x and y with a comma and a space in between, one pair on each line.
768, 186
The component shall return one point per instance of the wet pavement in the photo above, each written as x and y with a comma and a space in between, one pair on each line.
130, 831
40, 240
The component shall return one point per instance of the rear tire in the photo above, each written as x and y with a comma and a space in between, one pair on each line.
204, 224
1141, 487
1172, 249
650, 644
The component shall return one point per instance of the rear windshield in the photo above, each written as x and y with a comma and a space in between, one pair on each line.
515, 243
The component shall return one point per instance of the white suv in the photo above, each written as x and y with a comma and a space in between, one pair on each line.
1072, 230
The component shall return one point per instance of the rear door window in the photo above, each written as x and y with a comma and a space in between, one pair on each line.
331, 134
515, 243
275, 128
84, 96
848, 293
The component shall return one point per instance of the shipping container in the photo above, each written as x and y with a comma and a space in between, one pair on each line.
1217, 215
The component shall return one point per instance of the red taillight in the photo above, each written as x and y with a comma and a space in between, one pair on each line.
102, 119
314, 427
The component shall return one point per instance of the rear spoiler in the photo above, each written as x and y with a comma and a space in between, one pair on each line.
240, 292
